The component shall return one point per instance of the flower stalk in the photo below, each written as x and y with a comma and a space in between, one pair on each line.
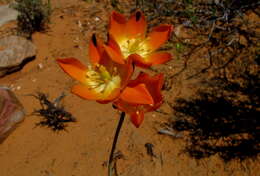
111, 161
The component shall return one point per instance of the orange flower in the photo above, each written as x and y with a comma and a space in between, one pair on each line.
103, 80
136, 110
128, 38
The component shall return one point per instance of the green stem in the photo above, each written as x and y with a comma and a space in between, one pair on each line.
111, 163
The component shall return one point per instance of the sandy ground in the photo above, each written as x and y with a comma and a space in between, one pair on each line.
83, 149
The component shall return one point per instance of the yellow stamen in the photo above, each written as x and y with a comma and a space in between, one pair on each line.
134, 46
101, 81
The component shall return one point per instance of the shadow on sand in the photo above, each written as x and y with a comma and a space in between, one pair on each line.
223, 118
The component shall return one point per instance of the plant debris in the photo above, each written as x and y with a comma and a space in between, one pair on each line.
149, 149
53, 113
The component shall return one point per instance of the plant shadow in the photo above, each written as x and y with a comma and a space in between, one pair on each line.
222, 118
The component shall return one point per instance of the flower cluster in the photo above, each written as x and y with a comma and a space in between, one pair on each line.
108, 78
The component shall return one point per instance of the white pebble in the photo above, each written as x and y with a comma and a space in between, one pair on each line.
79, 24
40, 65
97, 19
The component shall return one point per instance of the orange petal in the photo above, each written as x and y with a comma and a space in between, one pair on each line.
117, 25
94, 54
113, 44
86, 93
139, 61
136, 25
114, 55
89, 94
74, 68
126, 71
158, 58
115, 94
137, 95
154, 85
137, 118
158, 36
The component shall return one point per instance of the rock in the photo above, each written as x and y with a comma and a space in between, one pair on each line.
11, 112
7, 14
14, 52
182, 32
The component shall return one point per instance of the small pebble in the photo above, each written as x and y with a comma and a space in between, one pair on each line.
97, 19
18, 87
79, 24
171, 133
11, 87
40, 66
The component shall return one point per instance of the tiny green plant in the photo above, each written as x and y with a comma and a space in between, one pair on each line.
179, 47
33, 15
